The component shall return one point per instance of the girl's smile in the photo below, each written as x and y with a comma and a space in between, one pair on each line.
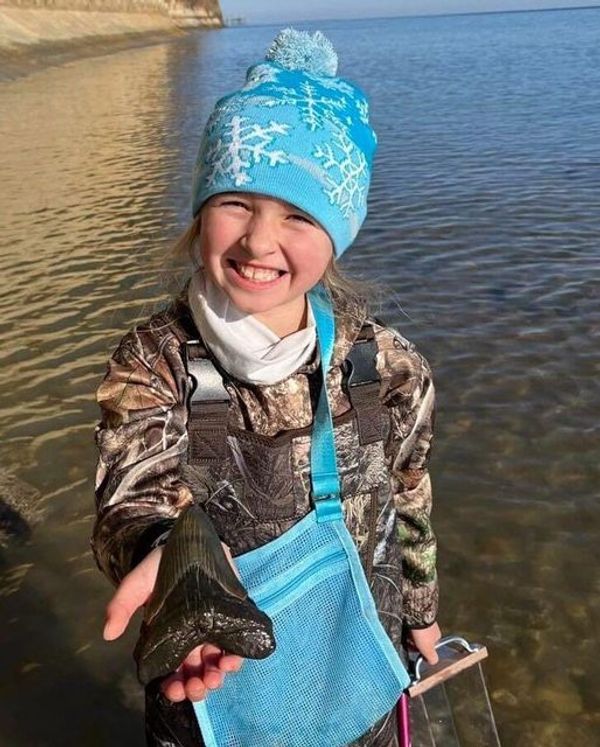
265, 254
252, 275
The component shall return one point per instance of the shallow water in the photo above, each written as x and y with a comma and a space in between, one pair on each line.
484, 220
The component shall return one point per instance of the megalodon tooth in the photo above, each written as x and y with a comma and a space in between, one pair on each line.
197, 598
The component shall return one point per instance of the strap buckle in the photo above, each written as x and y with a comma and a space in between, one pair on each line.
362, 363
328, 508
208, 382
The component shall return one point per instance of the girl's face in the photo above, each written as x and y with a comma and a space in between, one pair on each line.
265, 254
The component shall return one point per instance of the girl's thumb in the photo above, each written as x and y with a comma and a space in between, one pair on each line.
108, 633
432, 655
133, 592
116, 621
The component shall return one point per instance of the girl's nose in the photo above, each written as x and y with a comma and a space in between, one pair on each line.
259, 238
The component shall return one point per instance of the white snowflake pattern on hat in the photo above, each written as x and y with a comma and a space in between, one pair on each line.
346, 169
241, 146
313, 107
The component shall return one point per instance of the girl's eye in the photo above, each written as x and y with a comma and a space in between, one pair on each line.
302, 218
234, 202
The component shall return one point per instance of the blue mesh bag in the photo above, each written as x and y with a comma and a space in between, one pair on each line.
334, 671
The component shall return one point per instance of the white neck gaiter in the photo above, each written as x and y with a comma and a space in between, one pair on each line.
244, 346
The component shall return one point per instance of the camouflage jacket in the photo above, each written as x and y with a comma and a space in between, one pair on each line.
143, 440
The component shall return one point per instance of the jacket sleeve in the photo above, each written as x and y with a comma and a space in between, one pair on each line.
141, 439
409, 393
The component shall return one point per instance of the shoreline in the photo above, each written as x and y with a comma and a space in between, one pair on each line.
32, 40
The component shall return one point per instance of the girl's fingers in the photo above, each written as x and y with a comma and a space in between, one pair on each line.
193, 661
212, 676
424, 639
427, 649
201, 664
195, 689
193, 674
173, 686
175, 691
203, 669
208, 653
230, 663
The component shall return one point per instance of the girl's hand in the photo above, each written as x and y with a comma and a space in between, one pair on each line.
424, 641
203, 668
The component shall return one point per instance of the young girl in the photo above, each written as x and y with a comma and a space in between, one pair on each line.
279, 193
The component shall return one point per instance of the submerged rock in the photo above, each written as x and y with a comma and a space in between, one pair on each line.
19, 508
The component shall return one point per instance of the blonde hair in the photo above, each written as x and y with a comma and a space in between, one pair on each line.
182, 254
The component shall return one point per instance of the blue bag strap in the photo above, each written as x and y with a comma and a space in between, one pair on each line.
325, 478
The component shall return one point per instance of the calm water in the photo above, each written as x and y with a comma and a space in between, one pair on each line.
484, 220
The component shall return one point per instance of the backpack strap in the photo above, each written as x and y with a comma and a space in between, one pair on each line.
209, 400
364, 383
208, 406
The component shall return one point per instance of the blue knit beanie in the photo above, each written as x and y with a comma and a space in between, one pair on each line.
294, 131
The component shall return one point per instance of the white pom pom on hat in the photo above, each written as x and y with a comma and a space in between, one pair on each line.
298, 50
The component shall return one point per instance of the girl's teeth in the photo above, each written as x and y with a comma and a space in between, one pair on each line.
254, 273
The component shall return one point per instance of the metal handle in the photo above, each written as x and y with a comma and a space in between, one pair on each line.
470, 647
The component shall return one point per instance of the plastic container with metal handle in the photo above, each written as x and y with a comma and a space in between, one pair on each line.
426, 703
